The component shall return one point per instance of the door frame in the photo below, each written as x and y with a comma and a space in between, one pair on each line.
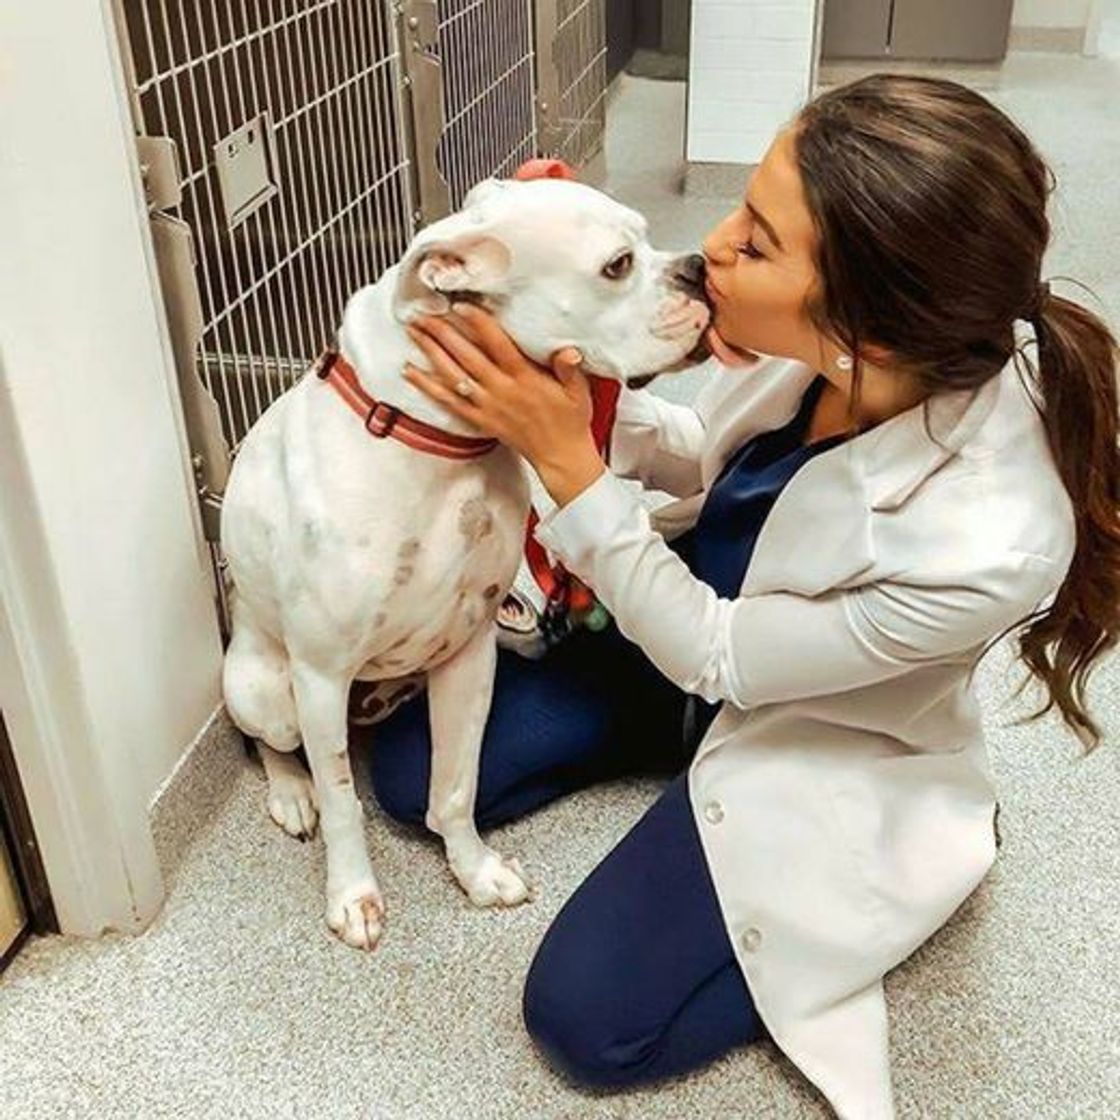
88, 806
82, 838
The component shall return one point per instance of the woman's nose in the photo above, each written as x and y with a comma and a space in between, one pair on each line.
716, 245
720, 240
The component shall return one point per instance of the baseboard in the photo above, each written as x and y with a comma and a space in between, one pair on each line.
1061, 40
714, 180
658, 65
975, 75
195, 791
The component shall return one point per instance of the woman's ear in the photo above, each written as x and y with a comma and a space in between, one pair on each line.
445, 259
875, 355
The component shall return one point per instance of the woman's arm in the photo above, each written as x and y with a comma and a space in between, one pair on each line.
657, 442
778, 646
660, 443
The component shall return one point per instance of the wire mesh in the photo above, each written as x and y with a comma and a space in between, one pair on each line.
328, 74
486, 52
581, 60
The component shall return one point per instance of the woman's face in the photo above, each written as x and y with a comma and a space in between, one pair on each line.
760, 266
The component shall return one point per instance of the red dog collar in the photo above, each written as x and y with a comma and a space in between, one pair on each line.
383, 419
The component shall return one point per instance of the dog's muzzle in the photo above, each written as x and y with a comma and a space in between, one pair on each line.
686, 275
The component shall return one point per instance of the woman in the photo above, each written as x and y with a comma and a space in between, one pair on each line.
831, 803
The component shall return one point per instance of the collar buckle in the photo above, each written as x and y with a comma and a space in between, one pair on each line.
381, 418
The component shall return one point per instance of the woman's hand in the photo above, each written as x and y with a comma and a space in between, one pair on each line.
543, 415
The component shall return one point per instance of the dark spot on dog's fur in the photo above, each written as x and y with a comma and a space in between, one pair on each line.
403, 574
475, 521
379, 618
409, 547
312, 537
491, 591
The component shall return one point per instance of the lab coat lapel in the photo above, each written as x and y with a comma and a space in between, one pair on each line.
817, 534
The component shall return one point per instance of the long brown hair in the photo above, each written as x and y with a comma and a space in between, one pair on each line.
930, 212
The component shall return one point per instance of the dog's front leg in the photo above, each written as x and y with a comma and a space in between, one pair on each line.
459, 694
355, 908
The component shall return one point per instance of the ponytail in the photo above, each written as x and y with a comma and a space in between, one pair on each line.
1077, 359
887, 164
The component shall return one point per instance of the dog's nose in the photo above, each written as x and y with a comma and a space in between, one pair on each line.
687, 273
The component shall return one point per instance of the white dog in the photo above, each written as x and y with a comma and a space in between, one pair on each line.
359, 557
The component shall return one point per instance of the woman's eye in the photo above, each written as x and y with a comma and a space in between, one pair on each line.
751, 250
619, 267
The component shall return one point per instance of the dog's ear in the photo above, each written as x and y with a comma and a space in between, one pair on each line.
452, 255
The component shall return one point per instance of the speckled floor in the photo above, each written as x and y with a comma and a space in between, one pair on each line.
237, 1002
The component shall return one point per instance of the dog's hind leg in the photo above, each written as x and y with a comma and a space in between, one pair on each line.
257, 684
459, 695
292, 802
355, 908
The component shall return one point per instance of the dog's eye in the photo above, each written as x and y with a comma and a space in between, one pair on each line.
620, 267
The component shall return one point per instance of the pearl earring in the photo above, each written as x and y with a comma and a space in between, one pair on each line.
844, 362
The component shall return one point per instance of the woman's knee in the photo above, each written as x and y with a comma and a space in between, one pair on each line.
401, 799
573, 1033
398, 775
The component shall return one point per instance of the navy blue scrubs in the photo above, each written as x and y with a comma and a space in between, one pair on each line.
636, 979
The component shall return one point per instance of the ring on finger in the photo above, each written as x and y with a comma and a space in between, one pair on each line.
466, 387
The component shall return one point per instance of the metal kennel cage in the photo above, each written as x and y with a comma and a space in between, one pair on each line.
290, 149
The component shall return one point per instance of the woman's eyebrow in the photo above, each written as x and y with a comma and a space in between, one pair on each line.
764, 223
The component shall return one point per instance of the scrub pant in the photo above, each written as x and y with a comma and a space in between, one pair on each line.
636, 979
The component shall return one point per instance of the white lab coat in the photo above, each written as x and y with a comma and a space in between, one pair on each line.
842, 795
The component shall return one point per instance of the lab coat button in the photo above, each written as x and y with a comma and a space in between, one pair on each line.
751, 939
713, 811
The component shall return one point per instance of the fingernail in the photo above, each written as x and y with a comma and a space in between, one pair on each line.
575, 357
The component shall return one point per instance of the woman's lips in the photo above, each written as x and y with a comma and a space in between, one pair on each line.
727, 353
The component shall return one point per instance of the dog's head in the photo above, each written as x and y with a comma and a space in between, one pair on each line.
558, 264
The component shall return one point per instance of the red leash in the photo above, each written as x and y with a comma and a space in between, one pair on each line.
564, 591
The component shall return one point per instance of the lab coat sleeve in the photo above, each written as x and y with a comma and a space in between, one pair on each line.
776, 646
660, 443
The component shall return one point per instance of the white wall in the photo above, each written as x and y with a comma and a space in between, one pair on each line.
750, 70
95, 428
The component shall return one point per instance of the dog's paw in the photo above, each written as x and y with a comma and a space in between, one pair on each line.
292, 803
357, 914
495, 881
